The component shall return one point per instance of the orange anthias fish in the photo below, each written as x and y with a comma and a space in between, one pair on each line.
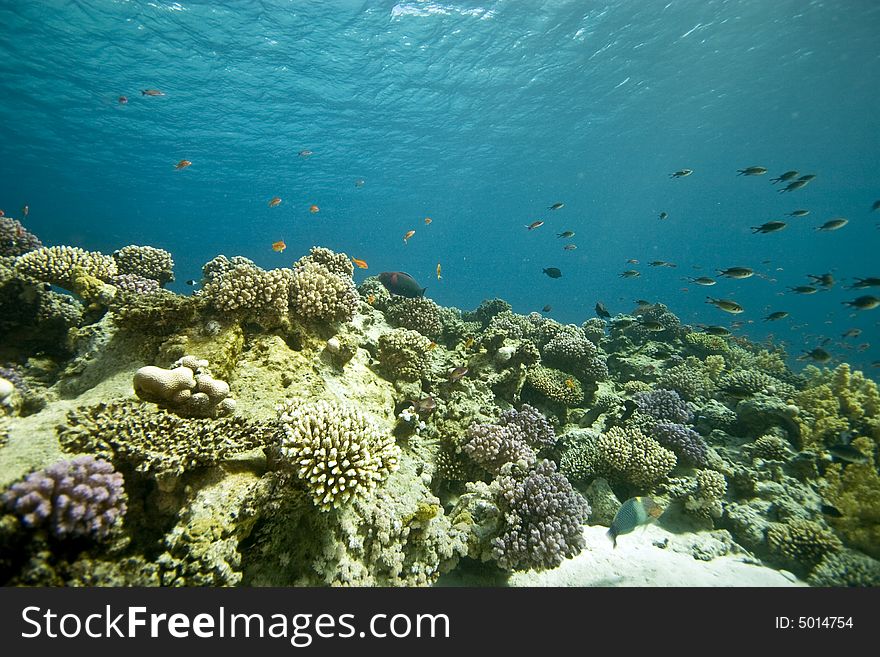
570, 383
438, 272
314, 209
428, 221
362, 264
409, 234
274, 201
183, 164
279, 246
371, 299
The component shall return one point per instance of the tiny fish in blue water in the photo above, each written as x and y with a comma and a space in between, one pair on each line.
552, 272
681, 173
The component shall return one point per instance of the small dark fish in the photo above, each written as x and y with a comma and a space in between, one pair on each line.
424, 406
535, 224
643, 303
876, 206
792, 186
847, 453
833, 224
651, 325
192, 282
720, 331
401, 284
736, 272
360, 182
630, 273
663, 215
831, 511
798, 213
547, 308
633, 513
866, 302
569, 247
629, 408
602, 311
682, 173
785, 177
804, 289
151, 92
702, 280
769, 227
123, 100
825, 280
552, 272
752, 171
865, 282
623, 322
808, 177
662, 263
852, 333
456, 374
779, 314
556, 206
726, 305
875, 363
632, 261
566, 234
818, 354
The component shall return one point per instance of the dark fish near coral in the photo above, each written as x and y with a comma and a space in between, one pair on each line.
726, 305
863, 303
833, 224
547, 308
192, 282
865, 282
792, 186
825, 280
736, 272
769, 227
651, 325
623, 322
630, 273
602, 311
798, 213
566, 234
456, 374
752, 171
779, 314
557, 206
401, 284
552, 272
785, 177
643, 303
634, 512
818, 354
424, 406
681, 173
804, 289
720, 331
629, 409
847, 453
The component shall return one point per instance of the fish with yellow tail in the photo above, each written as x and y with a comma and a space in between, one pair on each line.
636, 511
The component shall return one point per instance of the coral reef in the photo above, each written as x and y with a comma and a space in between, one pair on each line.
318, 294
663, 405
403, 354
684, 441
61, 265
146, 262
80, 498
801, 544
187, 389
554, 386
417, 314
338, 452
15, 239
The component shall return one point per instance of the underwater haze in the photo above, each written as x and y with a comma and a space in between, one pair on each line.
479, 115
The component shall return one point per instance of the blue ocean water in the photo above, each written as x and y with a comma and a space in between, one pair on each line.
479, 115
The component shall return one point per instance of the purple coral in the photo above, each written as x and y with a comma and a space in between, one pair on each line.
543, 517
15, 239
536, 430
493, 446
83, 497
682, 440
664, 405
14, 377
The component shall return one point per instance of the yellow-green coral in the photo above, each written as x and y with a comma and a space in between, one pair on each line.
837, 400
854, 489
802, 543
707, 342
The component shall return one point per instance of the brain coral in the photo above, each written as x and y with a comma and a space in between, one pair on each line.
543, 518
145, 261
318, 294
83, 497
403, 354
417, 314
337, 451
60, 265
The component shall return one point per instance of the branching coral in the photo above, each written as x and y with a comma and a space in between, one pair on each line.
663, 405
570, 351
403, 354
250, 293
337, 451
801, 543
705, 499
83, 497
15, 239
555, 386
318, 294
543, 518
146, 262
684, 441
417, 314
60, 265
